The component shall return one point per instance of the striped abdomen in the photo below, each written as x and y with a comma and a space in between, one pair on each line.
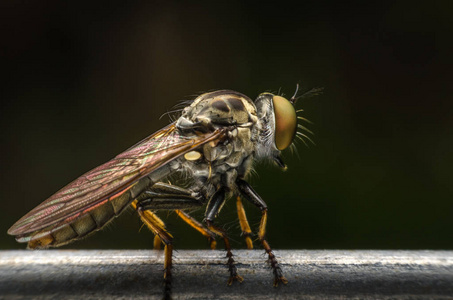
86, 222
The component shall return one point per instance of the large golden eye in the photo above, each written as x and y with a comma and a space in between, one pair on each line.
285, 122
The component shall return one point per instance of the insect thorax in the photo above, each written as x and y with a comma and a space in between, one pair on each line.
219, 163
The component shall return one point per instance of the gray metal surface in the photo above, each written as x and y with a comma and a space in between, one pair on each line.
71, 274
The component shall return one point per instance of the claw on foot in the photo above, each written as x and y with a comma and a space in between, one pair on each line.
279, 279
234, 278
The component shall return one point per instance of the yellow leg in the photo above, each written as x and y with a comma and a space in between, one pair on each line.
246, 231
198, 226
278, 276
231, 266
254, 198
157, 241
210, 233
157, 226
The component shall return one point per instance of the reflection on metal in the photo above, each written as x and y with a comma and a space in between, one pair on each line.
201, 274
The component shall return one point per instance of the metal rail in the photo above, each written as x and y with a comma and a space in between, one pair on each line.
137, 274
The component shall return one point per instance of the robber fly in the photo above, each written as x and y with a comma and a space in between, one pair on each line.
214, 143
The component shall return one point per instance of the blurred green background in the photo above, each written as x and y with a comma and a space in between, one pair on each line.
83, 82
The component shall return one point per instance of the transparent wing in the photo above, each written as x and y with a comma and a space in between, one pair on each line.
116, 176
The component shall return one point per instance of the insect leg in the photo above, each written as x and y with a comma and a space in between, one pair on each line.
198, 226
157, 241
246, 231
254, 198
157, 226
167, 196
214, 206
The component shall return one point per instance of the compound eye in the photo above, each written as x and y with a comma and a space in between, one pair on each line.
285, 122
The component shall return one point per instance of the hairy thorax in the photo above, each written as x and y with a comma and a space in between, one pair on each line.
218, 164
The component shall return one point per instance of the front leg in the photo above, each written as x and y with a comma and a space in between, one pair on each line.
212, 210
249, 194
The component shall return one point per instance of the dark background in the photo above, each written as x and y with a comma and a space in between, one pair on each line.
83, 82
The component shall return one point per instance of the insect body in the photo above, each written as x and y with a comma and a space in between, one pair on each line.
213, 144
